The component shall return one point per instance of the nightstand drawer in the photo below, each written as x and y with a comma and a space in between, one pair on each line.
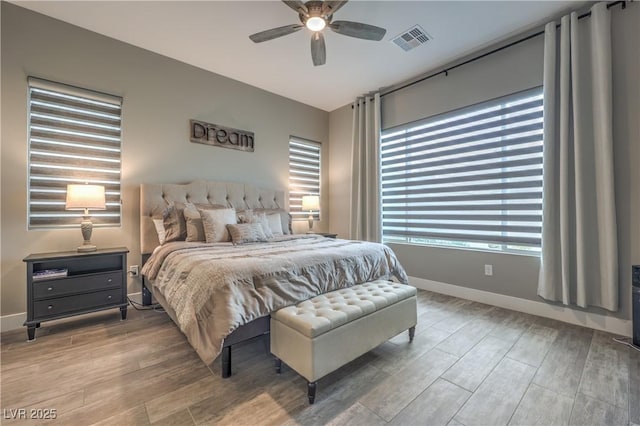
62, 305
77, 284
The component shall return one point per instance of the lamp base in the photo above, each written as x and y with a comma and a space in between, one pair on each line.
86, 227
87, 248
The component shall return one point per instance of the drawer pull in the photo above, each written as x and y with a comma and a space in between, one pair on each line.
50, 307
50, 288
109, 280
109, 297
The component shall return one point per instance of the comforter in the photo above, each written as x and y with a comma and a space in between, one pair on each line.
212, 289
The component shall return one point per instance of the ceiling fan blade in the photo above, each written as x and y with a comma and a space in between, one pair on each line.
318, 51
274, 33
358, 30
329, 7
296, 5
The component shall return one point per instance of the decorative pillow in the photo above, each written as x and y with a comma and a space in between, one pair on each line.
195, 230
175, 227
275, 223
246, 233
159, 224
285, 218
215, 224
250, 216
261, 218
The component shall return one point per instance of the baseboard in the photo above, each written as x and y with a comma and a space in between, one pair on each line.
560, 313
15, 321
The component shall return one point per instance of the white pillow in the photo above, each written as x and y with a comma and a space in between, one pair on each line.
275, 224
159, 224
261, 218
215, 224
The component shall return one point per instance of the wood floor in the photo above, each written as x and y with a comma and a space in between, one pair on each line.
470, 364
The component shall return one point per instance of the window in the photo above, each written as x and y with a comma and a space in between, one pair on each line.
74, 137
471, 178
304, 175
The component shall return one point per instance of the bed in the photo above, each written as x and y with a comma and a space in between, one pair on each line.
220, 294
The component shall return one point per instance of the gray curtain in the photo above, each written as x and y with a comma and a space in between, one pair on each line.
579, 243
365, 212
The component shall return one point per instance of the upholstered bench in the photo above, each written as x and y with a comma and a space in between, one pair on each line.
320, 335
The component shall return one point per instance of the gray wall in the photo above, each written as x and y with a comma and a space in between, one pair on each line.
514, 69
160, 96
511, 70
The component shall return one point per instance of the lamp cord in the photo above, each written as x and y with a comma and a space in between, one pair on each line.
140, 307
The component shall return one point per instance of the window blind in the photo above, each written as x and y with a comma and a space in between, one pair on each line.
74, 137
304, 175
470, 176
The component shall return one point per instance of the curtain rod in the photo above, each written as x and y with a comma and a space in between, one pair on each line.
491, 52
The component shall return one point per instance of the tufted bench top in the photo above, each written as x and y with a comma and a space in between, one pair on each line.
328, 311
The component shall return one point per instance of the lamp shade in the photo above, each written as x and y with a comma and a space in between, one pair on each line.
80, 197
310, 202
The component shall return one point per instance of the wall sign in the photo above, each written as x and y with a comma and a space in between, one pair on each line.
216, 135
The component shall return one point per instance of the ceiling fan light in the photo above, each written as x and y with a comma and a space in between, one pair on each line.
316, 23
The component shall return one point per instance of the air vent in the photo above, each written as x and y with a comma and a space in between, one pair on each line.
412, 38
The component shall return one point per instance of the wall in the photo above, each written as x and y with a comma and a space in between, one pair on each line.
511, 70
160, 96
516, 68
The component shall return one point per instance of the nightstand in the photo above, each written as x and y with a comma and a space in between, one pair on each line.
78, 283
324, 234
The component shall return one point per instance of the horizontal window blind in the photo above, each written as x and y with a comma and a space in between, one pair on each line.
470, 176
74, 138
304, 175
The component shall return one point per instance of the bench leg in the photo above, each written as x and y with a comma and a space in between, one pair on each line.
226, 362
278, 363
311, 391
412, 333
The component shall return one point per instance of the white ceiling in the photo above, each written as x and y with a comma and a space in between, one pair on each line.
213, 35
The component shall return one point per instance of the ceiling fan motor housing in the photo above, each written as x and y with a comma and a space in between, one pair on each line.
314, 9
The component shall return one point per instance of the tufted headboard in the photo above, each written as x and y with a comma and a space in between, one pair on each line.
154, 198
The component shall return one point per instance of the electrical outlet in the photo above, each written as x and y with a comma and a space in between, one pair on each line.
488, 270
134, 271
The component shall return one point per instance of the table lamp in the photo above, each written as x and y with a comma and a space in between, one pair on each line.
310, 202
85, 197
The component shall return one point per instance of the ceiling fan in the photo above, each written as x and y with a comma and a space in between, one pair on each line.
316, 16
